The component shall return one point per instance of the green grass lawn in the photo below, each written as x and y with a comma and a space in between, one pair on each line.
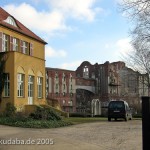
32, 123
79, 120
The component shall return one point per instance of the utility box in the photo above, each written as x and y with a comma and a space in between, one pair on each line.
146, 122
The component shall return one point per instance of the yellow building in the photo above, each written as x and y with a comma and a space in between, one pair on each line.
25, 64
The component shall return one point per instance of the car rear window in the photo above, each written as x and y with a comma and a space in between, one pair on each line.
116, 104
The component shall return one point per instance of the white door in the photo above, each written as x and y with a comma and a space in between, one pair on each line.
30, 90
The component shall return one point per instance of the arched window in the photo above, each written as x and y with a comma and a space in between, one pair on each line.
86, 72
11, 21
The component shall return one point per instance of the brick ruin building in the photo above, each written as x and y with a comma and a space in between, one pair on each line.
90, 88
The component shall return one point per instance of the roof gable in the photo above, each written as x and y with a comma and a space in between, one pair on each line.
17, 26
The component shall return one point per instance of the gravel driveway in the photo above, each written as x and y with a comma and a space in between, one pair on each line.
103, 135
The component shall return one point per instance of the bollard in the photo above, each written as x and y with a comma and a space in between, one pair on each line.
146, 122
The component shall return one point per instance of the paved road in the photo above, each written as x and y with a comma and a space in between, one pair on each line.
104, 135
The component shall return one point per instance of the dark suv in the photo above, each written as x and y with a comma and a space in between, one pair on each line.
119, 109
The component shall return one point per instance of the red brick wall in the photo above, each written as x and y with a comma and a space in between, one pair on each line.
51, 72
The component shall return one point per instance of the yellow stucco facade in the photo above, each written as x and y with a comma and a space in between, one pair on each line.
28, 65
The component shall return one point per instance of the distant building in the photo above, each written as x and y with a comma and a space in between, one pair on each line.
133, 86
129, 89
105, 76
89, 89
109, 81
61, 86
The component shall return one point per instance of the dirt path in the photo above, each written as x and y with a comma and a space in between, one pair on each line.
104, 135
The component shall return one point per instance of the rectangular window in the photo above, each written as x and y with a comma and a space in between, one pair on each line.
71, 94
56, 86
56, 76
86, 72
40, 89
6, 85
31, 49
70, 102
20, 83
71, 79
30, 86
5, 43
15, 44
64, 93
56, 93
25, 47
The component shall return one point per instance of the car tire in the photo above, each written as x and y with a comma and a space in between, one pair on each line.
109, 119
126, 118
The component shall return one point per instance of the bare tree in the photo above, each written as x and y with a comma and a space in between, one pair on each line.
134, 8
138, 11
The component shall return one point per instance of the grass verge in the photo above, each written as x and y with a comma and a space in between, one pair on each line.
79, 120
32, 123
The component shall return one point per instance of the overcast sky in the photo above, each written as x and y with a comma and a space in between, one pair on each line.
75, 30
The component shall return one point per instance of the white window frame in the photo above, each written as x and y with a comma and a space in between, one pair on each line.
40, 87
5, 43
20, 85
24, 47
30, 86
15, 44
11, 21
6, 85
85, 71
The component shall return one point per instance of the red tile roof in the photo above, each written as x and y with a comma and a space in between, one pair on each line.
20, 27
